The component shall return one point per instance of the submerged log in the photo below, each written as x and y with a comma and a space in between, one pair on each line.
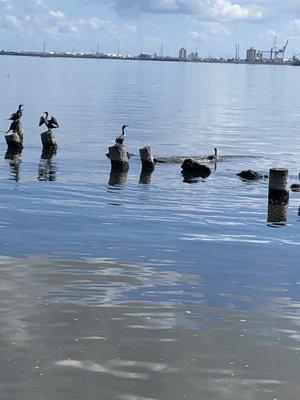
119, 158
194, 169
147, 159
49, 141
279, 185
250, 175
14, 141
295, 187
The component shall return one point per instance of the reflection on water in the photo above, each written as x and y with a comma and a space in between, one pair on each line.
145, 177
277, 214
13, 157
74, 329
117, 178
47, 168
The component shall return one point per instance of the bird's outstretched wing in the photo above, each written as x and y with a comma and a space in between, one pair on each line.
54, 121
42, 120
13, 117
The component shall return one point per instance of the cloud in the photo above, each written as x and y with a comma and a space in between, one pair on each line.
215, 10
36, 17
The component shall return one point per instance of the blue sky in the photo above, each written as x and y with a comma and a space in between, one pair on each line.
211, 26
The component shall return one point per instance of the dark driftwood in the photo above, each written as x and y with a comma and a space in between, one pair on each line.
295, 187
194, 169
250, 175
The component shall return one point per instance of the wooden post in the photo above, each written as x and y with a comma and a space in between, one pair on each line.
49, 141
14, 141
277, 214
119, 158
278, 185
117, 177
147, 159
145, 177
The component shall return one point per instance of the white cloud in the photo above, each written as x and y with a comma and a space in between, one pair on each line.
219, 10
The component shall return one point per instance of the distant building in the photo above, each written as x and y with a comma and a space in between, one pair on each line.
251, 54
144, 56
259, 55
183, 54
194, 56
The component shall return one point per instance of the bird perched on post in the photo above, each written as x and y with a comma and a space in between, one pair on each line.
50, 123
15, 126
17, 115
120, 139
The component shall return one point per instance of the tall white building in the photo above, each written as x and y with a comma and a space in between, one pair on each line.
183, 53
251, 54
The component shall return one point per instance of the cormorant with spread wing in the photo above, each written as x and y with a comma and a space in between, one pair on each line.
50, 123
17, 114
15, 126
120, 139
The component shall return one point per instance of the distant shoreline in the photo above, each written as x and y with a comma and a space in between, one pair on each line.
141, 57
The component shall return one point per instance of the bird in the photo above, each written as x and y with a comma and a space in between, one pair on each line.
120, 139
215, 156
50, 123
17, 115
15, 126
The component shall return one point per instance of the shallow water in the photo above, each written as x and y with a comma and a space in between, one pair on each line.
147, 287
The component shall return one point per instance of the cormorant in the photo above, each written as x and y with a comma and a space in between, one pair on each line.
14, 126
50, 123
17, 114
120, 139
215, 157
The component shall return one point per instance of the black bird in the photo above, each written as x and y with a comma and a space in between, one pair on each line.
120, 139
213, 157
17, 115
50, 123
14, 126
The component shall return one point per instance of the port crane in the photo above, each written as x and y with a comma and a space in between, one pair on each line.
276, 54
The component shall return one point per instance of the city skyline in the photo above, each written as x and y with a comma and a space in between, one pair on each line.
137, 26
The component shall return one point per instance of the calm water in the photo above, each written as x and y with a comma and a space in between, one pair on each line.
148, 288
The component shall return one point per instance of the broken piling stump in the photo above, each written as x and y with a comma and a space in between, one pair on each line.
49, 141
279, 185
14, 141
147, 159
118, 158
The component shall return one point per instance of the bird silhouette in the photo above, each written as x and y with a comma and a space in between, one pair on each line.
50, 123
120, 139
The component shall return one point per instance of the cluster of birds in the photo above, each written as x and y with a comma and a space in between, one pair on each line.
51, 123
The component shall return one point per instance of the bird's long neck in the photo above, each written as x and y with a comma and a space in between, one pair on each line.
123, 130
216, 152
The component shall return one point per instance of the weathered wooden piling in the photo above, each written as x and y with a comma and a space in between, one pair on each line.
14, 141
145, 177
117, 178
147, 159
277, 214
49, 141
119, 158
279, 185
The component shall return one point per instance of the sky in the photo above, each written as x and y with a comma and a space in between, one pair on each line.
213, 27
